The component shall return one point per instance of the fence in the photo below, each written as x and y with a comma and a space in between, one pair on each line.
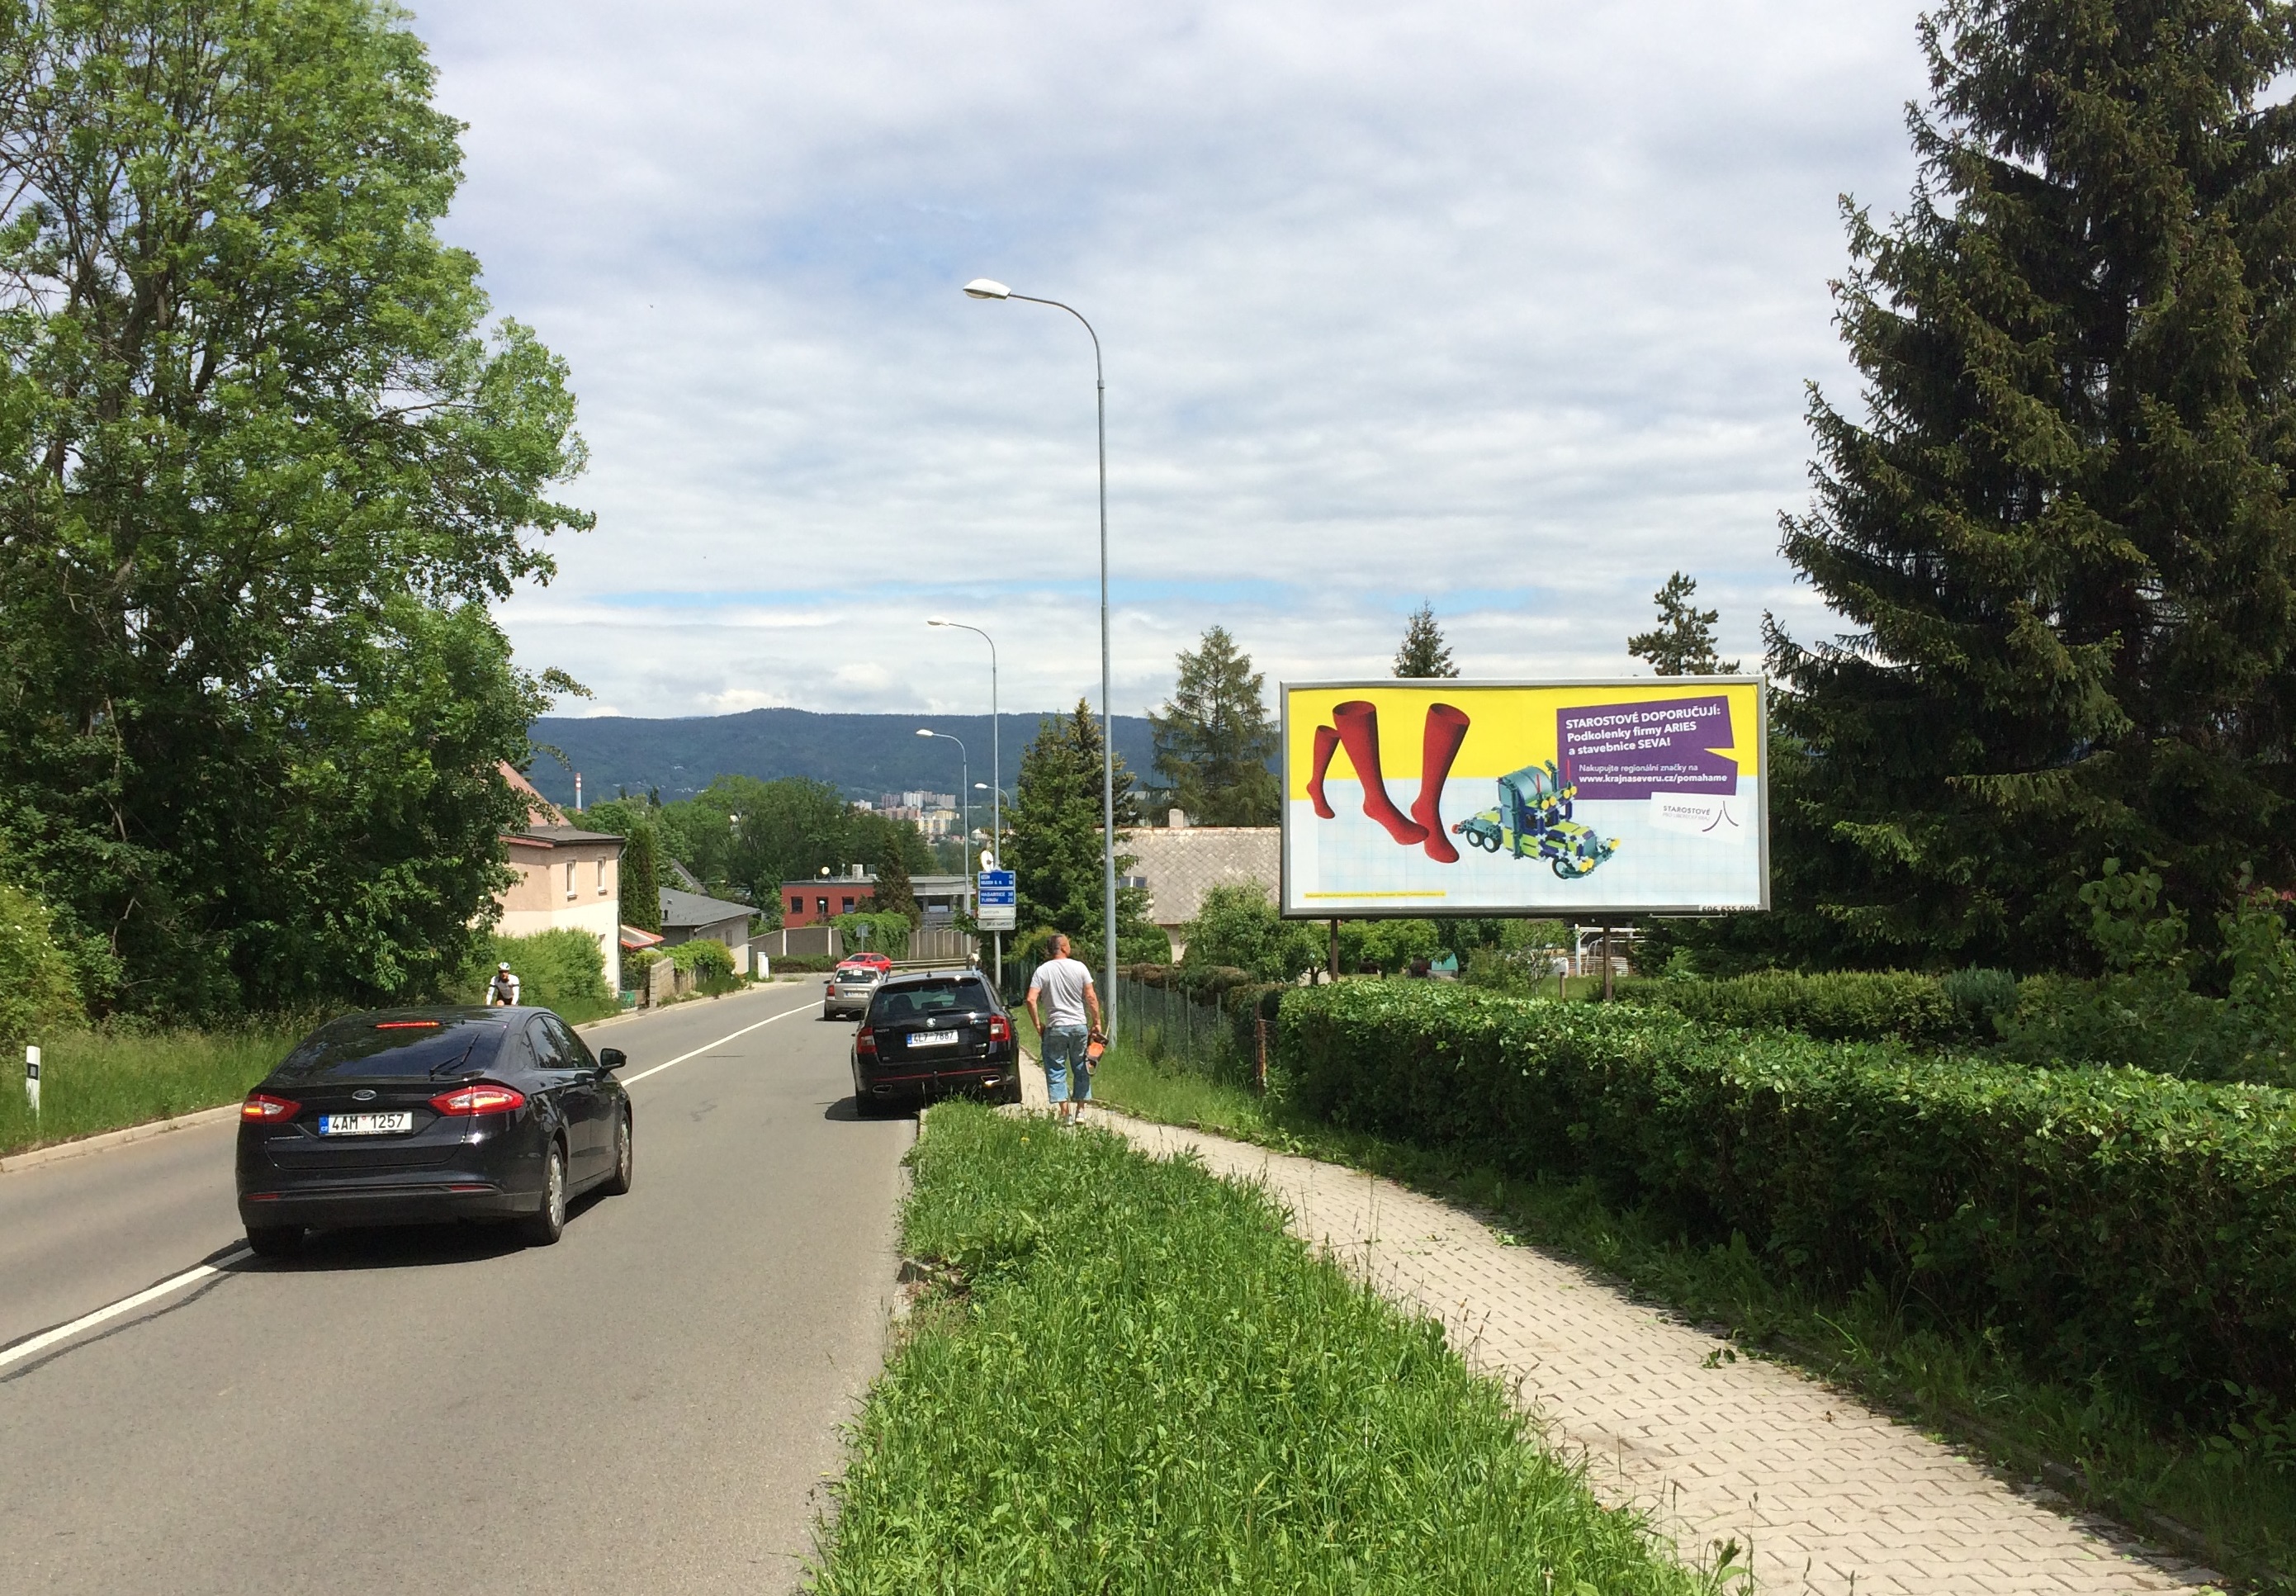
938, 944
1172, 1030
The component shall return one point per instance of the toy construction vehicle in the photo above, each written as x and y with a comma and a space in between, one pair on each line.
1533, 822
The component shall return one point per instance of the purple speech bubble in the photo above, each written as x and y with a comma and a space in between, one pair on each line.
1632, 750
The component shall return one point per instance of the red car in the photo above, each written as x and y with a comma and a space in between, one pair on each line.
876, 962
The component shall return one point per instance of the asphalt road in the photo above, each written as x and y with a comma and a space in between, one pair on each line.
652, 1404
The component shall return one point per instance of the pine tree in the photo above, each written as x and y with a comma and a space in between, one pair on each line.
641, 881
2063, 535
1214, 737
1052, 837
895, 895
1425, 656
1682, 644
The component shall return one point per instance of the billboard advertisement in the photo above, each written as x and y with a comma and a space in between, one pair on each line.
1567, 798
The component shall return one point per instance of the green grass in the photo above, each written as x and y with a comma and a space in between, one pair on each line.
2229, 1498
96, 1080
1144, 1384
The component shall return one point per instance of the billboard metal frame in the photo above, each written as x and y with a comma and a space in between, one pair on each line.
1577, 913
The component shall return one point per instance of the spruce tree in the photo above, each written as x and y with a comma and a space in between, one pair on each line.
1425, 656
1052, 837
895, 895
2058, 526
1682, 644
1214, 737
641, 880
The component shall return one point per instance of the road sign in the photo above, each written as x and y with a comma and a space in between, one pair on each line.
998, 902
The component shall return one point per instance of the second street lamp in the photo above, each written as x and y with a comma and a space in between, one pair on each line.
988, 288
996, 769
964, 770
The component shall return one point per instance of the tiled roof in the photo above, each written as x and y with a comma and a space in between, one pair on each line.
1181, 866
691, 909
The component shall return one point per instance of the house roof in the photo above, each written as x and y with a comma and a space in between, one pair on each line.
632, 939
686, 878
1180, 866
540, 811
555, 836
691, 909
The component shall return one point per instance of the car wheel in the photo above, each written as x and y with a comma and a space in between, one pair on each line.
547, 1224
618, 1184
273, 1240
1011, 1092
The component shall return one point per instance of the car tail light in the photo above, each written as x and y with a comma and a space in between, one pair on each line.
263, 1108
484, 1098
864, 1041
1000, 1029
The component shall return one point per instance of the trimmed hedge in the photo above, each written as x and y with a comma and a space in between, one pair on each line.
1845, 1006
2099, 1221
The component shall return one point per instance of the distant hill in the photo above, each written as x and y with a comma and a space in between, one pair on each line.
861, 755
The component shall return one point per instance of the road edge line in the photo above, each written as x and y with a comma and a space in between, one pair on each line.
33, 1158
125, 1305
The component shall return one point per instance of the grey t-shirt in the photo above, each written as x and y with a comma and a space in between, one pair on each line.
1063, 984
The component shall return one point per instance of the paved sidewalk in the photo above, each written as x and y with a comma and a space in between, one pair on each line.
1829, 1496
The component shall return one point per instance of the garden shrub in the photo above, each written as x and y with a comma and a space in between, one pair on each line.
561, 968
887, 933
38, 993
707, 961
2098, 1222
1844, 1006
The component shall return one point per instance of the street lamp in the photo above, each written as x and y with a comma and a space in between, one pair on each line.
964, 769
988, 288
995, 768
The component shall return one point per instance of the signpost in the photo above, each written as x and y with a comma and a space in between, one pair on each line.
999, 901
32, 1081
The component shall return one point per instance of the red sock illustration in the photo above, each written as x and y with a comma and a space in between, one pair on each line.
1447, 728
1359, 724
1327, 743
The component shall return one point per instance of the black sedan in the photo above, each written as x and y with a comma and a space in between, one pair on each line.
420, 1115
929, 1033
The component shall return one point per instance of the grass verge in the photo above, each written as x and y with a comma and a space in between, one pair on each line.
96, 1080
2228, 1499
1143, 1383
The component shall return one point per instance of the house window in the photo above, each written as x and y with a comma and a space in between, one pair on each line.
797, 905
569, 878
848, 905
601, 877
825, 906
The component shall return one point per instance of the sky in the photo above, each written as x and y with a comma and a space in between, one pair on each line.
1509, 307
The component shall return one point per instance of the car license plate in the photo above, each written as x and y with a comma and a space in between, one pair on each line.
932, 1039
365, 1125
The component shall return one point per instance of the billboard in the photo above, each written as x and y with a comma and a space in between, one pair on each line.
1575, 799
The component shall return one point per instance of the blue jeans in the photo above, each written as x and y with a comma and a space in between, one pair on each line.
1065, 1046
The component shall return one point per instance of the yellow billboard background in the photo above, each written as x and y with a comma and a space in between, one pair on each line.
1508, 728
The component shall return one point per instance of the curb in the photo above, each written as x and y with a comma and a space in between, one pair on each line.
38, 1156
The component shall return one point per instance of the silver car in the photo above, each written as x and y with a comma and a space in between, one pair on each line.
850, 988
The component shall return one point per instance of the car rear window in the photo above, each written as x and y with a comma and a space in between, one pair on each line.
929, 997
857, 972
384, 1045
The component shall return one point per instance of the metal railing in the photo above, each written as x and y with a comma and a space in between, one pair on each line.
1172, 1030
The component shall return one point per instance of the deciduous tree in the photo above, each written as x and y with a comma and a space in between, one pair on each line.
262, 473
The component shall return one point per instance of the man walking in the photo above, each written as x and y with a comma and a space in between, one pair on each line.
1069, 1018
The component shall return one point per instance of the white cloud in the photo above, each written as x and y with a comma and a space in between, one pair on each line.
1509, 307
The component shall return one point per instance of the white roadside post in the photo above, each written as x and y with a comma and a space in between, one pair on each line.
32, 1082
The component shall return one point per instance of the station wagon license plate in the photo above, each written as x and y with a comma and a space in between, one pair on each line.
365, 1125
932, 1039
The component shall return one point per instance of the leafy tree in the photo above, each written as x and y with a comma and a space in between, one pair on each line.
260, 475
1236, 926
2062, 533
1683, 643
745, 836
1054, 841
1214, 737
1425, 656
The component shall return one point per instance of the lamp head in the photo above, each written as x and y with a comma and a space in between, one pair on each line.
937, 620
987, 287
923, 731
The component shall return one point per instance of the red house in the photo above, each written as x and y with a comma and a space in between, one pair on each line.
822, 899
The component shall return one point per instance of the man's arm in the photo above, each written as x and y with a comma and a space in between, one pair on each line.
1035, 1018
1092, 1003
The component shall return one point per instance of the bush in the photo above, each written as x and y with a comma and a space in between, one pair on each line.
2104, 1222
887, 933
709, 961
1848, 1006
37, 993
563, 969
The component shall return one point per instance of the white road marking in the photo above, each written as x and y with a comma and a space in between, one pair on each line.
705, 1047
125, 1305
193, 1276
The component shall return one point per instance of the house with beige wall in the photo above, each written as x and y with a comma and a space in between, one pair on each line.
567, 878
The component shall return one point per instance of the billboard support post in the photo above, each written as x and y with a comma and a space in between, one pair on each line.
1606, 961
1335, 950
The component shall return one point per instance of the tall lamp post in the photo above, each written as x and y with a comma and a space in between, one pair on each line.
964, 799
996, 769
986, 288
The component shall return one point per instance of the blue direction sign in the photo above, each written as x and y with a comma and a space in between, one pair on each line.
998, 900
